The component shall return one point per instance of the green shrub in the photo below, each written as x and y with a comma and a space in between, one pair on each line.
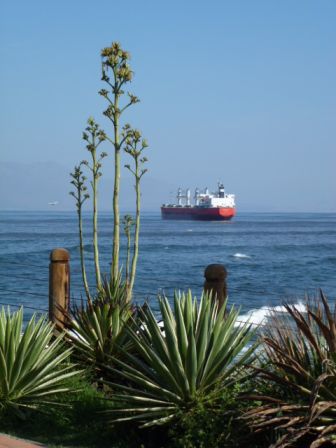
214, 424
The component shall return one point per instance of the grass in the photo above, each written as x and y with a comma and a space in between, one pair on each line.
78, 422
75, 423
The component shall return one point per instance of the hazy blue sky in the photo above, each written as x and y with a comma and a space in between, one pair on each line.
241, 91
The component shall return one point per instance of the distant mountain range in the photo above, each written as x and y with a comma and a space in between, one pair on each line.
46, 186
36, 186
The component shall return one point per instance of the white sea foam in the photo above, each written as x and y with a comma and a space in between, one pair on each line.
239, 255
260, 315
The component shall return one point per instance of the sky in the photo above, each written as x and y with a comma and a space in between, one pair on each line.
241, 91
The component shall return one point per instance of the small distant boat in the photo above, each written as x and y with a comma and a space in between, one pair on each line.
53, 203
208, 206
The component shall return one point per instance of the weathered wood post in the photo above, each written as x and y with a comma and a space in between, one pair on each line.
59, 284
215, 282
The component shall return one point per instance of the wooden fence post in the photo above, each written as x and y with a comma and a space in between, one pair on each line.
215, 282
59, 284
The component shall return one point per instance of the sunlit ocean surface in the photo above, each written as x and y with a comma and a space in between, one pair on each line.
269, 257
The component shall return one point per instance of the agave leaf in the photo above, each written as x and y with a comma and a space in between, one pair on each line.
320, 408
191, 363
20, 356
304, 327
321, 441
202, 338
164, 375
149, 415
46, 371
160, 421
227, 377
136, 400
154, 334
329, 429
4, 377
116, 318
127, 371
122, 388
221, 332
181, 331
50, 380
187, 304
149, 389
331, 320
327, 330
172, 345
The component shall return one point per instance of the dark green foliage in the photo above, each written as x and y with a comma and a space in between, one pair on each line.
72, 424
79, 422
298, 403
195, 369
214, 424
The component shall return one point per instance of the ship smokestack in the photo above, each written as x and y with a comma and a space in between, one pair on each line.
221, 191
188, 197
179, 196
197, 196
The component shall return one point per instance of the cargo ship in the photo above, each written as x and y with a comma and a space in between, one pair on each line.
207, 206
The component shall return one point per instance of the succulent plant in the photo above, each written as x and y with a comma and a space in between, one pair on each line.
96, 329
34, 366
193, 354
299, 370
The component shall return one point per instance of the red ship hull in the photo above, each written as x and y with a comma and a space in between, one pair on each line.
199, 213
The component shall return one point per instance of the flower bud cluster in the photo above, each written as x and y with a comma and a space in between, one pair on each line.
78, 181
134, 146
115, 58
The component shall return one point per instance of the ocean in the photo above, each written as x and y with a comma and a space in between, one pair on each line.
270, 257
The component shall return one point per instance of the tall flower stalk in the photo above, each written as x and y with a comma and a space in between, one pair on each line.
128, 224
135, 146
116, 73
80, 195
94, 136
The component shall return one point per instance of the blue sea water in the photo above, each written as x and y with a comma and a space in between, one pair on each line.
269, 257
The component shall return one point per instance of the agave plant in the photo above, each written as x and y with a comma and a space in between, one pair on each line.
113, 291
299, 365
195, 354
33, 365
96, 329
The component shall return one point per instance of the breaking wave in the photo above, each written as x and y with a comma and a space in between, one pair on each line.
239, 255
260, 316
